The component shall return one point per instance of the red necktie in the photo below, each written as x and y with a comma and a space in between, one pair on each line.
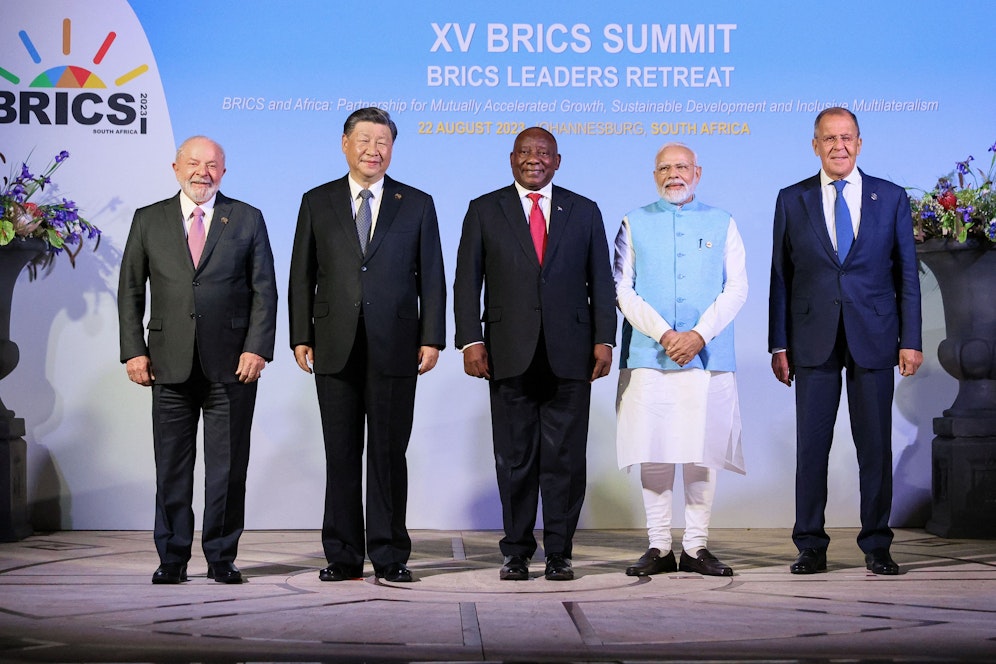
195, 236
537, 225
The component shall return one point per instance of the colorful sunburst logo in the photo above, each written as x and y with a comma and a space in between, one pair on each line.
70, 76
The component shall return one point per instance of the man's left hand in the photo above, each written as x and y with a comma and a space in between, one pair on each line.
909, 361
427, 358
250, 367
603, 361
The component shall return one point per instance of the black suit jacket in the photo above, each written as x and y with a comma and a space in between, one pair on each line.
572, 297
228, 303
399, 285
876, 289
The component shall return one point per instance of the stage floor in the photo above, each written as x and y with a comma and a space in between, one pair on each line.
86, 596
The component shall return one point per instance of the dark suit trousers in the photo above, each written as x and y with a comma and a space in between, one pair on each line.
540, 428
227, 409
387, 404
869, 398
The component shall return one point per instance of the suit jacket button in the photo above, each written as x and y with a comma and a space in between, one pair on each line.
363, 269
193, 315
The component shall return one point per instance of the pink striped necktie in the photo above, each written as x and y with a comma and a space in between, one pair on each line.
195, 236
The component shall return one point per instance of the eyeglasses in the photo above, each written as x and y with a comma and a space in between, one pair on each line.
830, 141
680, 169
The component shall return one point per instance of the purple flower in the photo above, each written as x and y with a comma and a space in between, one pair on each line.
61, 157
25, 173
963, 165
992, 148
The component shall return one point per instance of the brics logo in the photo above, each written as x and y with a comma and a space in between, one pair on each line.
90, 104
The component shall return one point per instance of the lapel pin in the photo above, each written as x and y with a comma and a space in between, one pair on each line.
224, 220
560, 209
874, 196
397, 197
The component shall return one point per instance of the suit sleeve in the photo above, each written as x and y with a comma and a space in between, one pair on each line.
261, 335
469, 281
601, 286
431, 282
303, 280
907, 277
132, 283
779, 294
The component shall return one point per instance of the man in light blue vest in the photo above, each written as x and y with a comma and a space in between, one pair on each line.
681, 278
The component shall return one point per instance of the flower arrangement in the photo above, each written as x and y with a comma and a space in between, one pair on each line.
962, 206
56, 221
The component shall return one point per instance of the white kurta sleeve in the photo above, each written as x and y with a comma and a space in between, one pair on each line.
643, 317
720, 313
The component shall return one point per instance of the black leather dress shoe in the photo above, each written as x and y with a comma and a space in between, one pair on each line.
339, 572
395, 573
652, 563
516, 568
880, 562
558, 568
809, 561
170, 573
224, 572
704, 563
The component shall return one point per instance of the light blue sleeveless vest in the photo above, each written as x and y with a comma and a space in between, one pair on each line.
679, 272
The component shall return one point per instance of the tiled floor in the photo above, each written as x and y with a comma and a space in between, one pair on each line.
87, 596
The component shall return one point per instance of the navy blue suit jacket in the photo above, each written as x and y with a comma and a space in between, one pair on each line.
876, 289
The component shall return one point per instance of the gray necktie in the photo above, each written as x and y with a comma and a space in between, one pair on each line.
364, 219
842, 222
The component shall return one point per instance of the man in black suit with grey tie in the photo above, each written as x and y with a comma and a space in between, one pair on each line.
367, 301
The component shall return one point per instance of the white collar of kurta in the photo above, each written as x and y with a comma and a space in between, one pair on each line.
187, 206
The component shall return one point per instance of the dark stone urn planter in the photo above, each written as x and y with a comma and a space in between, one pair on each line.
13, 450
963, 486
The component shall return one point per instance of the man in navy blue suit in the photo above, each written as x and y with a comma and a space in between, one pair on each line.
845, 297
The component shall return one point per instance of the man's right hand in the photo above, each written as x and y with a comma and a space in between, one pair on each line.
140, 370
782, 369
475, 361
305, 356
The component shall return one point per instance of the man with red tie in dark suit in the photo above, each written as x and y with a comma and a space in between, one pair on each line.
541, 256
845, 297
206, 260
367, 301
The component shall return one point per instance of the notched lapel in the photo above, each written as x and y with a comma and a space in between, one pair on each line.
812, 201
219, 222
560, 211
342, 209
518, 222
390, 204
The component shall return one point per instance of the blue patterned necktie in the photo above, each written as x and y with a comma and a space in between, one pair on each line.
842, 222
364, 219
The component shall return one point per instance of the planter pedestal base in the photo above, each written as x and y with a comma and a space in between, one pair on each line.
964, 487
14, 524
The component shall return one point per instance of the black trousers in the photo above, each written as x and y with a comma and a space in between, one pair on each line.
869, 399
349, 399
227, 410
540, 429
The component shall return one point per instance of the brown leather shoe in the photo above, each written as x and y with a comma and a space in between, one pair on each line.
653, 563
704, 563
